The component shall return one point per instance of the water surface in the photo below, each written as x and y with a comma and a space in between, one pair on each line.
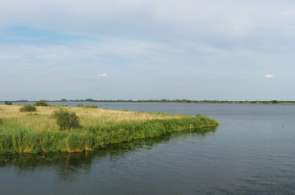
252, 152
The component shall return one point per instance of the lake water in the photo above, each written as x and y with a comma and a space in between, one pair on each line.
252, 152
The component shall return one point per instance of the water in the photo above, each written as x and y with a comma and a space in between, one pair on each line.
252, 152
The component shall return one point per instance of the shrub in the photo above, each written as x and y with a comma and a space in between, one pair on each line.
1, 121
28, 108
42, 103
87, 105
66, 119
8, 103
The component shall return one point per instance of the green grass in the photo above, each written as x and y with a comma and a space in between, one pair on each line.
87, 105
28, 108
37, 132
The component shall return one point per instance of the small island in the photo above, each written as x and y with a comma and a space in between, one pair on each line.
46, 128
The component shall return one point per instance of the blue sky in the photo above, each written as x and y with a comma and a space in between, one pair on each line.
147, 49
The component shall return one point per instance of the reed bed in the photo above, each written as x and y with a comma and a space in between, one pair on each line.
38, 132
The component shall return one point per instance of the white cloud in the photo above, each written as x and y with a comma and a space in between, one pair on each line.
102, 76
228, 18
269, 76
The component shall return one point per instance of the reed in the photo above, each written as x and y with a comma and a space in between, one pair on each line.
38, 132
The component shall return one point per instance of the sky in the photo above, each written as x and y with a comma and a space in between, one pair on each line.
147, 49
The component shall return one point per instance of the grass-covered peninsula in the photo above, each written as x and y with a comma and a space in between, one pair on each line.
27, 130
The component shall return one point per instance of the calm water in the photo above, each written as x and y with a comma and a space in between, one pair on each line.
252, 152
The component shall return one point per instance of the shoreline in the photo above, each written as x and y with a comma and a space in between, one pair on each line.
161, 101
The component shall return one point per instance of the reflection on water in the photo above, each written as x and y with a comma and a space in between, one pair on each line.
251, 152
68, 164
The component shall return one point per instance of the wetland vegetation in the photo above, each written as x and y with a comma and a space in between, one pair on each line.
52, 129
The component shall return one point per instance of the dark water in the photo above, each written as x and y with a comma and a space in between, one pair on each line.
252, 152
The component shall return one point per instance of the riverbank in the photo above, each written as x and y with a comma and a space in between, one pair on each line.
38, 132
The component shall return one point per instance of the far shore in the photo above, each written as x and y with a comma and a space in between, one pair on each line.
162, 101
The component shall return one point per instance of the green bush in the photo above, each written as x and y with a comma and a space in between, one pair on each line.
28, 108
8, 103
66, 119
42, 103
1, 121
87, 105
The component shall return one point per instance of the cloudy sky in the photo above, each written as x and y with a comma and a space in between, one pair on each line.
142, 49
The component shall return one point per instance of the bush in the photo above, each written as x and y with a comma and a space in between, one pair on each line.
8, 103
1, 121
87, 105
66, 119
42, 103
28, 108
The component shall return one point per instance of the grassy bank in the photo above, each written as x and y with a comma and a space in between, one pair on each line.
37, 132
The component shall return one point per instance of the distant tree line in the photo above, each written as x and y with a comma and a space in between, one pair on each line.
186, 101
165, 101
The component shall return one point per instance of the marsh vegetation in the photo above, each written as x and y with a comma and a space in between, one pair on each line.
28, 108
50, 129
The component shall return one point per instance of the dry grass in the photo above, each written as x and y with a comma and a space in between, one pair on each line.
89, 117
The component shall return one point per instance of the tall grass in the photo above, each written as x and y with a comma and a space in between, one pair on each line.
66, 161
87, 105
23, 140
39, 133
